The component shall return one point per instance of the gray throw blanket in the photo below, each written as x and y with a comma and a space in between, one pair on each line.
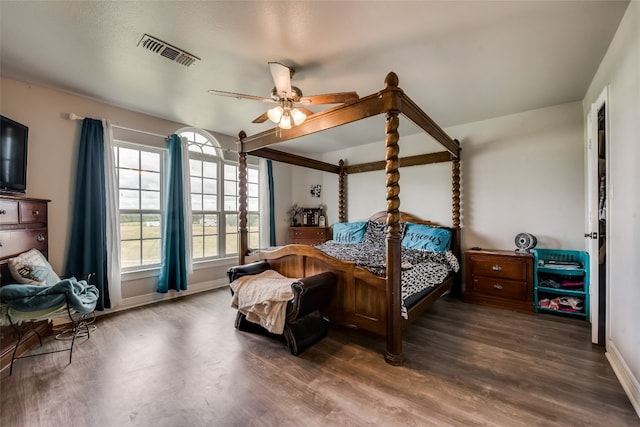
82, 297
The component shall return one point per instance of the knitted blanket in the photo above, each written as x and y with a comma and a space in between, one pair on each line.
263, 298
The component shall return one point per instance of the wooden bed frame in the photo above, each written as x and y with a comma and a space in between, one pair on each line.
363, 299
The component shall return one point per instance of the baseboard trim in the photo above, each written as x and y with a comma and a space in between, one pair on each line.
146, 299
629, 383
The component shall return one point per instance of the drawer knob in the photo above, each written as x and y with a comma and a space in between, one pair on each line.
3, 212
497, 286
35, 212
40, 238
496, 268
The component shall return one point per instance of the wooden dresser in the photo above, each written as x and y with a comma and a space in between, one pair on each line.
308, 235
23, 225
500, 279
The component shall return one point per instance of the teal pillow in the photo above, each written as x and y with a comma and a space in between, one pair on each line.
349, 232
420, 236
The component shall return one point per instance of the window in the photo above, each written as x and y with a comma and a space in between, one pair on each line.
214, 199
140, 175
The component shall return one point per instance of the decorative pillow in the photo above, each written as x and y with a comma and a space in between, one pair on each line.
32, 268
376, 233
349, 232
420, 236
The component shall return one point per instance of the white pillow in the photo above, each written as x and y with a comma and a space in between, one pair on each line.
32, 268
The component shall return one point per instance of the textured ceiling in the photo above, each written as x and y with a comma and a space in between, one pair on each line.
460, 61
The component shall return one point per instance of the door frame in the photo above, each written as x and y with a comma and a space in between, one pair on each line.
591, 218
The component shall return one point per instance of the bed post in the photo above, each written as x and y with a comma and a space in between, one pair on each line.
393, 354
342, 214
242, 202
455, 216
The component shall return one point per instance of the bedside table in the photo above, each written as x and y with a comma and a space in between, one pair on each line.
308, 235
499, 278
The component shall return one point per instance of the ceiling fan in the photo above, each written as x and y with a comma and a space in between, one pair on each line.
290, 109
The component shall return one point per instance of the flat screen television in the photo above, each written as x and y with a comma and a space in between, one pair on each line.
13, 156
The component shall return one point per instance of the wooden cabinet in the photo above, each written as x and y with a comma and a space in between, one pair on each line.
308, 235
499, 278
23, 225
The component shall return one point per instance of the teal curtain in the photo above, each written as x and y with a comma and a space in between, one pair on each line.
88, 245
173, 272
272, 217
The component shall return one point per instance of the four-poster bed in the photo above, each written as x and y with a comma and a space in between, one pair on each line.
362, 299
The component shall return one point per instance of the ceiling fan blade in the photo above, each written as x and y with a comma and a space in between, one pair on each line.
240, 96
261, 118
306, 111
330, 98
282, 78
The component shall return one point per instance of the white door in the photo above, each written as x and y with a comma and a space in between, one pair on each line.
592, 225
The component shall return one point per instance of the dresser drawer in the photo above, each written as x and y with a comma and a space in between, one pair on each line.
33, 212
8, 212
499, 267
308, 235
509, 289
13, 242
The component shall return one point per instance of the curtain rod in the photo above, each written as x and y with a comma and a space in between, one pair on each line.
73, 116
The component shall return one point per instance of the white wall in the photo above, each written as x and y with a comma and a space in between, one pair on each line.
520, 173
620, 70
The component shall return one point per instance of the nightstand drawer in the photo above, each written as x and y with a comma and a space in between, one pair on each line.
500, 288
500, 267
308, 235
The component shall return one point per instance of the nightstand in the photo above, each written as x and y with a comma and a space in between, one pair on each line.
308, 235
499, 278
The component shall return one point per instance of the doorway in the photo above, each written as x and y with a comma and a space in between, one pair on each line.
596, 227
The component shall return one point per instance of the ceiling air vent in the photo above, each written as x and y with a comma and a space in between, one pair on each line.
168, 51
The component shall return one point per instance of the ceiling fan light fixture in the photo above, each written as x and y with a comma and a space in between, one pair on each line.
285, 121
298, 116
275, 114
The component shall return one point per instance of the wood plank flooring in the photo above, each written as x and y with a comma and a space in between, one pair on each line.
181, 363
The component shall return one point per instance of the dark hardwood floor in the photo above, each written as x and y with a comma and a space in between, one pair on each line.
181, 363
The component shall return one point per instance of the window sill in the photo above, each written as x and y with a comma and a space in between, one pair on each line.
144, 273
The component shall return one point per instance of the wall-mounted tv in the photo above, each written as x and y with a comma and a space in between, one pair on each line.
13, 156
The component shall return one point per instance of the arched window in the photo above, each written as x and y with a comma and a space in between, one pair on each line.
214, 198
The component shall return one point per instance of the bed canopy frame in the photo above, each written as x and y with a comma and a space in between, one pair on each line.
391, 101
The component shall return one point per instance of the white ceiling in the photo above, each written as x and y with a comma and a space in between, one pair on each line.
460, 61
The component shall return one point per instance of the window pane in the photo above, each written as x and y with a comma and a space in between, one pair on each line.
150, 181
129, 158
196, 202
253, 190
129, 226
231, 223
129, 199
231, 172
198, 247
196, 184
150, 200
252, 175
195, 167
209, 150
197, 227
209, 186
200, 139
211, 246
151, 226
230, 188
231, 244
151, 250
252, 204
210, 224
210, 203
230, 203
254, 240
150, 161
129, 178
130, 253
253, 222
210, 170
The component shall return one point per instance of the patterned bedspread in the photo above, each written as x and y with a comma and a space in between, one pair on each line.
421, 269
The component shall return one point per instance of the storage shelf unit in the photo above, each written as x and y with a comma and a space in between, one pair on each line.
561, 282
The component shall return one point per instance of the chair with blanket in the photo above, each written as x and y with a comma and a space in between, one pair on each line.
285, 308
35, 293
